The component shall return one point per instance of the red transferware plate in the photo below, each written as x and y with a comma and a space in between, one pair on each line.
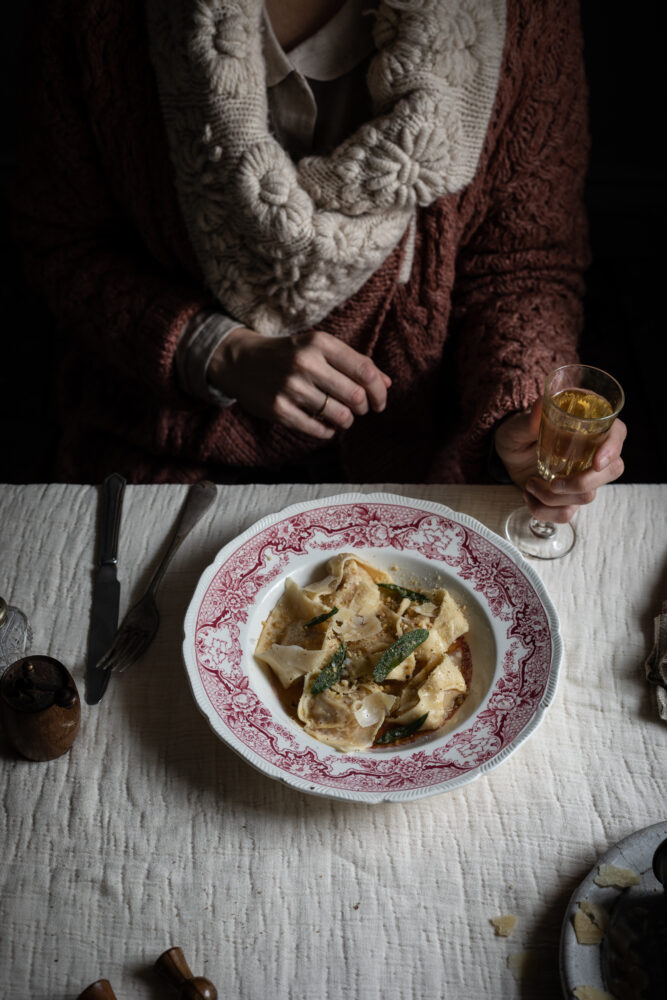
514, 641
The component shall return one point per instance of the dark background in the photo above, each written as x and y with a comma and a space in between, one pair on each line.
626, 199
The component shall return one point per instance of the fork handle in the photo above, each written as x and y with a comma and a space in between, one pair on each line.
200, 497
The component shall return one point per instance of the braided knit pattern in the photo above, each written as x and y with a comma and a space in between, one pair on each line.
282, 244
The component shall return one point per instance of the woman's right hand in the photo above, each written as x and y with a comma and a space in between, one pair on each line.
516, 445
289, 379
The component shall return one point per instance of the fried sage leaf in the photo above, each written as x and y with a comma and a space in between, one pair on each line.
331, 673
400, 732
414, 595
321, 618
398, 652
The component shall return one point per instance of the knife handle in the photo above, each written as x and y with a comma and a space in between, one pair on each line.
112, 502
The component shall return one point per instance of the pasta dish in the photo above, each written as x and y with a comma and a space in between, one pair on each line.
360, 661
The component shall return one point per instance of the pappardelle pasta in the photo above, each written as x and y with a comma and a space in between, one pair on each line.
367, 662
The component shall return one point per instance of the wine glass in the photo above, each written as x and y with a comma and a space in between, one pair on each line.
580, 404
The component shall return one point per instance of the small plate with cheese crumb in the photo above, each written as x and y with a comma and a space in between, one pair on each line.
614, 932
372, 647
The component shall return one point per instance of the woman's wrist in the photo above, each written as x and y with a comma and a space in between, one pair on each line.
221, 365
200, 339
495, 467
515, 442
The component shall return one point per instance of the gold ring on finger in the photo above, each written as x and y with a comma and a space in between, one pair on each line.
323, 407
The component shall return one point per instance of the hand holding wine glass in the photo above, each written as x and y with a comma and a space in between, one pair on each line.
578, 415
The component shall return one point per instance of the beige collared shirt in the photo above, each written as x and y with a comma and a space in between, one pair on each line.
317, 95
317, 92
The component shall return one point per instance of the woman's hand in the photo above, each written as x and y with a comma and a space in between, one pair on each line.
311, 382
516, 444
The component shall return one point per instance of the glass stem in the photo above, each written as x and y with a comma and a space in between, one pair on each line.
543, 529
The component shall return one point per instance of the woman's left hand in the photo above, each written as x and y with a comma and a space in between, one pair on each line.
516, 445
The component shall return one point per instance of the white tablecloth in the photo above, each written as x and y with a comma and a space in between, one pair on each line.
152, 833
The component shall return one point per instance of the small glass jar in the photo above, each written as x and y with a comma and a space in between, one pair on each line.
15, 634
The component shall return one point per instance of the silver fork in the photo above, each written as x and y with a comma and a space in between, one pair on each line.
141, 622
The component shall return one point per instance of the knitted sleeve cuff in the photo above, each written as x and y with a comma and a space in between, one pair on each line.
200, 338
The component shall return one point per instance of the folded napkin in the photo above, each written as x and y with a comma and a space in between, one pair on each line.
656, 664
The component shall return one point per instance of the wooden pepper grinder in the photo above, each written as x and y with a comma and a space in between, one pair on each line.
99, 990
40, 709
173, 968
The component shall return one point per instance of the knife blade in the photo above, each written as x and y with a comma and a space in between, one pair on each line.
106, 588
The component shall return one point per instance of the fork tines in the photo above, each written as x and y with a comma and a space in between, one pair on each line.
127, 647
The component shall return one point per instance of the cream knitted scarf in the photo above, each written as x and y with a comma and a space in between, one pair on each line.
281, 244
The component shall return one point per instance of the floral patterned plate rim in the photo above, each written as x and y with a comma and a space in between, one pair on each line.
514, 640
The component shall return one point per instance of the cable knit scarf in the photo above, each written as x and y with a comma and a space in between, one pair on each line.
280, 243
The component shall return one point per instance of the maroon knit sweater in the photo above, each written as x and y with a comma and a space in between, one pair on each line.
493, 302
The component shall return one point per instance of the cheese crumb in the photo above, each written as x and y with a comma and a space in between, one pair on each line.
591, 993
585, 930
522, 964
619, 878
504, 925
598, 914
586, 927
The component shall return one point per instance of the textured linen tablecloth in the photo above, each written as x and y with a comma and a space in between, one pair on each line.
152, 833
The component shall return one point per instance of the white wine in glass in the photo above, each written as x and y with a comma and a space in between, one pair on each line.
580, 404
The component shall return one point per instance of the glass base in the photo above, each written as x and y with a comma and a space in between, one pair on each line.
548, 545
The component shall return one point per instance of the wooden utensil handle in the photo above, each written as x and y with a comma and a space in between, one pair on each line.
99, 990
171, 965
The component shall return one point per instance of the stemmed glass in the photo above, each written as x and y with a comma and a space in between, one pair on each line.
580, 404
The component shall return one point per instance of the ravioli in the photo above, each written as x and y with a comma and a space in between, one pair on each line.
346, 716
334, 633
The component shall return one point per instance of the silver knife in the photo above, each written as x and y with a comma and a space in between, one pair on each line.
106, 588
